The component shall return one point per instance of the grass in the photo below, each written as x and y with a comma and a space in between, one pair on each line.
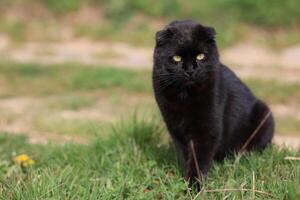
136, 21
36, 80
135, 31
14, 28
136, 161
22, 79
72, 102
274, 91
73, 127
72, 87
278, 14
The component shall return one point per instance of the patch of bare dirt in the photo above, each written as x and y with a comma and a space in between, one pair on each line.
17, 105
79, 51
289, 141
18, 114
291, 110
250, 55
35, 137
247, 60
288, 75
22, 114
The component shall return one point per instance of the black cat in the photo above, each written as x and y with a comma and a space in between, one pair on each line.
202, 100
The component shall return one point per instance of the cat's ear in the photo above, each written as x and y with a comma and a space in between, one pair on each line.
211, 32
206, 33
163, 36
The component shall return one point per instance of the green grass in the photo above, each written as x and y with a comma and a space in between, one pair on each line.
136, 162
63, 6
72, 102
136, 21
274, 91
273, 13
34, 79
14, 28
73, 127
137, 33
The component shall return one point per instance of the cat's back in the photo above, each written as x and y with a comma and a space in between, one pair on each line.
233, 86
236, 98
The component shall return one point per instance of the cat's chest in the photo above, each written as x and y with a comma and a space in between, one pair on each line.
189, 111
192, 115
186, 108
187, 103
187, 119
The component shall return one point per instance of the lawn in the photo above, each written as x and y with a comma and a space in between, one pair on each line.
129, 160
72, 88
137, 161
21, 79
122, 149
274, 24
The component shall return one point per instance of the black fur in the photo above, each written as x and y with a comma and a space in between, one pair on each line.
210, 105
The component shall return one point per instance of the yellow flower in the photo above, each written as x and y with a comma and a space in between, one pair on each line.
24, 160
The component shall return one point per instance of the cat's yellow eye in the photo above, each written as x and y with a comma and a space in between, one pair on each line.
200, 56
177, 58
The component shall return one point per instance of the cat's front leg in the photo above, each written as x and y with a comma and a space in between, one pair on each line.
181, 150
201, 152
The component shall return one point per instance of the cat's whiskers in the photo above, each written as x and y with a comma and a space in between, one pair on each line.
165, 80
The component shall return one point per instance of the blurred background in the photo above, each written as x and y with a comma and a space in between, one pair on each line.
69, 68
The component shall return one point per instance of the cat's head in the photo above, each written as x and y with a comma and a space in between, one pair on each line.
185, 53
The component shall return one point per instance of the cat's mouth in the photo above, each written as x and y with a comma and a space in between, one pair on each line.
190, 82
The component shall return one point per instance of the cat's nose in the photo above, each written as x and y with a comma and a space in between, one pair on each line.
189, 73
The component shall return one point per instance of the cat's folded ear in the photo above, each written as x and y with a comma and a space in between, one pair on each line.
211, 31
206, 33
163, 36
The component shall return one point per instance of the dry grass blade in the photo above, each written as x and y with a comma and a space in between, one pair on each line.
253, 185
238, 190
243, 148
188, 189
291, 158
195, 159
199, 193
255, 132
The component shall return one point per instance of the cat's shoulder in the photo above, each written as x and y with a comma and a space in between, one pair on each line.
228, 75
232, 81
